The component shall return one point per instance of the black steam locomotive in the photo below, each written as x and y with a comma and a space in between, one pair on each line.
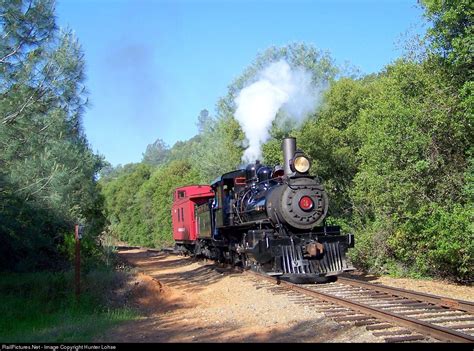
272, 220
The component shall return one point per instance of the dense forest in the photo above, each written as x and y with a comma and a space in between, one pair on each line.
48, 184
394, 150
47, 169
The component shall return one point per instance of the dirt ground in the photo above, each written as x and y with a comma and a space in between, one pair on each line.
185, 301
435, 287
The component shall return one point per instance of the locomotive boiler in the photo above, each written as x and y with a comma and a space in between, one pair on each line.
267, 219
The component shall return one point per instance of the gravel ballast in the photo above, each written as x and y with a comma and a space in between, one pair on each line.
187, 301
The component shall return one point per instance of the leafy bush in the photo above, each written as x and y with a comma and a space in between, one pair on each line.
438, 241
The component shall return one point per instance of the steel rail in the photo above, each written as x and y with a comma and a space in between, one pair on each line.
466, 306
438, 332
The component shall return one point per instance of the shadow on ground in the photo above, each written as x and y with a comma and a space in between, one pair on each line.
166, 293
366, 277
161, 265
172, 328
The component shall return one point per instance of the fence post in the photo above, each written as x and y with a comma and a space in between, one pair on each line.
77, 280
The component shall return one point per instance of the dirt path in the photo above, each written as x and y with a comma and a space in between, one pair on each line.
186, 301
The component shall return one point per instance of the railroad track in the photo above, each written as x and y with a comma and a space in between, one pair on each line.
397, 315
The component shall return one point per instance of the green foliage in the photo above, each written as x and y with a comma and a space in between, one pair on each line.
41, 307
319, 63
330, 139
452, 34
108, 172
415, 140
323, 71
434, 241
218, 150
139, 204
157, 196
120, 196
271, 151
443, 236
394, 151
47, 170
156, 153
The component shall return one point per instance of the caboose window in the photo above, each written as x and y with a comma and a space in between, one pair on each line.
181, 194
182, 214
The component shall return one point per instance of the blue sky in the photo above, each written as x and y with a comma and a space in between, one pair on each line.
153, 65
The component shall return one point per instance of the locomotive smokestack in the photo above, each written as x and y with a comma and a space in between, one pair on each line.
289, 148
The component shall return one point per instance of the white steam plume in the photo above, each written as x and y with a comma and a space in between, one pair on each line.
278, 87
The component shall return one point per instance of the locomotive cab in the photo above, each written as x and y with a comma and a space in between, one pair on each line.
226, 189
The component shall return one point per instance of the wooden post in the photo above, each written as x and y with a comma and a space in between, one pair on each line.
77, 280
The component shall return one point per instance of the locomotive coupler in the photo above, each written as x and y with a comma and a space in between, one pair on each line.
313, 250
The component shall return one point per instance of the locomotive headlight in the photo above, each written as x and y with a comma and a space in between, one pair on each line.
301, 164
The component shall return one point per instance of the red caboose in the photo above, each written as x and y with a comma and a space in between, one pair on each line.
183, 212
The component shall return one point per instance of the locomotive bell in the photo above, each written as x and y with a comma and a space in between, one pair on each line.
278, 171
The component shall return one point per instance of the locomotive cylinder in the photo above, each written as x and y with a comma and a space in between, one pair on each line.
289, 148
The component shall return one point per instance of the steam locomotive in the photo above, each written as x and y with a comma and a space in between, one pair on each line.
270, 220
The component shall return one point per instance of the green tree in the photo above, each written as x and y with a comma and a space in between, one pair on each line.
331, 140
139, 203
47, 170
157, 198
228, 132
412, 170
204, 122
121, 203
218, 150
452, 34
156, 153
